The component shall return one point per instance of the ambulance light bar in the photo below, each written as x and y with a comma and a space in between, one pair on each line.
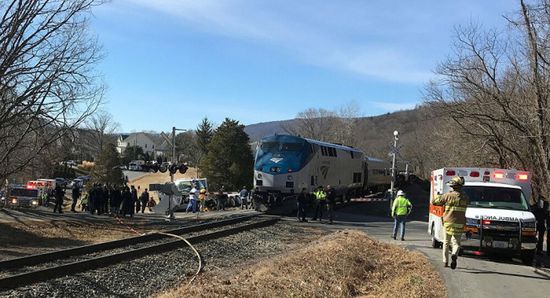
522, 176
499, 175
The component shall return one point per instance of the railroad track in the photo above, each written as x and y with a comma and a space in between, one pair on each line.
89, 263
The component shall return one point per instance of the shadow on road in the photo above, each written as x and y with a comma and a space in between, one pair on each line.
481, 271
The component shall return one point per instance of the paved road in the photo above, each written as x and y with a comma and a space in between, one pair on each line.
474, 277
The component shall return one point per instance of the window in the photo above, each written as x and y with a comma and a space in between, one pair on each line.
323, 151
357, 177
351, 153
145, 146
312, 181
291, 147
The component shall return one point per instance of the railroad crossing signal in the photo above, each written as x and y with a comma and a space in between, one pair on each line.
182, 168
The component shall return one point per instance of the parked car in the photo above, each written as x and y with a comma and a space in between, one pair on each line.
76, 183
135, 165
23, 197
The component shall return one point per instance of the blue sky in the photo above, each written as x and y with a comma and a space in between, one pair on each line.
173, 62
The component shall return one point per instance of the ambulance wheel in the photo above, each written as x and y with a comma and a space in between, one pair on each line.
527, 257
435, 243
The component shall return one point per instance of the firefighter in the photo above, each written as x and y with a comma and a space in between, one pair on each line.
454, 218
320, 202
202, 199
401, 208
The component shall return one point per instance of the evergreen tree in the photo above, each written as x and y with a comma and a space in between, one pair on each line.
132, 153
106, 169
229, 161
204, 135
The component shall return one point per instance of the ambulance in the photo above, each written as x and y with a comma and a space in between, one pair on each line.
498, 220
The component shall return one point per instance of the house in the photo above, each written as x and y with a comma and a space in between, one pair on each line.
151, 143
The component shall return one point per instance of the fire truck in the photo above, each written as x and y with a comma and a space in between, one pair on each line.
498, 220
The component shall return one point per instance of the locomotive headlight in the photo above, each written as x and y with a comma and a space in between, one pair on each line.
259, 176
289, 178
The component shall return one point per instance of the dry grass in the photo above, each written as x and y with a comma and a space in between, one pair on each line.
342, 264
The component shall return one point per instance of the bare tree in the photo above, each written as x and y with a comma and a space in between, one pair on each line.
496, 89
331, 126
100, 126
48, 85
313, 123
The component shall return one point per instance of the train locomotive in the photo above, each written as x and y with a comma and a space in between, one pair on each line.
286, 164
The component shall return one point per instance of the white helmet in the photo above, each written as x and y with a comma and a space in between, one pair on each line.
400, 193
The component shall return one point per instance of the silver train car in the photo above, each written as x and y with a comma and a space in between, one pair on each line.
286, 164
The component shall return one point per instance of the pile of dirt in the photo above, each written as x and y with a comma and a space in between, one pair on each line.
342, 264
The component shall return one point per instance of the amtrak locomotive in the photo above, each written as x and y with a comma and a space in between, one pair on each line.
285, 164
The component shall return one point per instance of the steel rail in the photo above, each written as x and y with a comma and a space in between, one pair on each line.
86, 249
32, 277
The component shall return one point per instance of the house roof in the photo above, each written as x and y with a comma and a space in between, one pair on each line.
157, 139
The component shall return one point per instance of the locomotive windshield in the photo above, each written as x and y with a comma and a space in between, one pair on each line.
287, 152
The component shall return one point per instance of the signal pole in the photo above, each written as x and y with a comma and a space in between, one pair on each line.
172, 143
394, 153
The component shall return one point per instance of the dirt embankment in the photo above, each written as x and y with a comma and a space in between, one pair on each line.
31, 237
342, 264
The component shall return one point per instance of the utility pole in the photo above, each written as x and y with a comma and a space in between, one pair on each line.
174, 161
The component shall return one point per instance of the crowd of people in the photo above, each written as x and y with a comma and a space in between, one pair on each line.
324, 199
127, 200
103, 199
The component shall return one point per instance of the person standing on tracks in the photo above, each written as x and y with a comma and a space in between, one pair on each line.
135, 201
192, 205
401, 208
75, 196
59, 195
454, 218
321, 201
331, 200
302, 201
144, 200
202, 199
220, 197
106, 198
127, 202
244, 198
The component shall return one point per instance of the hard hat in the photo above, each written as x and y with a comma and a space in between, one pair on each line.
203, 190
456, 182
400, 193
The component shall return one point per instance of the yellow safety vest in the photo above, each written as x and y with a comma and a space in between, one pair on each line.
320, 195
400, 206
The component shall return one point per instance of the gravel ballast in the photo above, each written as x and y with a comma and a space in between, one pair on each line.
156, 273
